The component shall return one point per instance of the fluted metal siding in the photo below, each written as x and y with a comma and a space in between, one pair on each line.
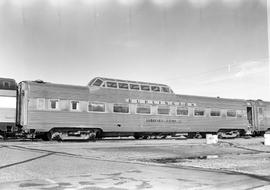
46, 119
7, 115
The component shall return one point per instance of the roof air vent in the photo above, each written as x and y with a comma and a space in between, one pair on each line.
39, 81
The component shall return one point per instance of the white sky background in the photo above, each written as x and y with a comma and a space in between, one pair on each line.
198, 47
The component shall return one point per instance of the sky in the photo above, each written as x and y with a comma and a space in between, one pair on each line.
197, 47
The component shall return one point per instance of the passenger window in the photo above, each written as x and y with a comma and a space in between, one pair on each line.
142, 101
6, 84
165, 89
163, 110
214, 113
143, 109
112, 84
231, 113
98, 82
121, 108
149, 101
199, 112
74, 105
123, 85
134, 87
145, 87
96, 107
155, 88
53, 104
182, 111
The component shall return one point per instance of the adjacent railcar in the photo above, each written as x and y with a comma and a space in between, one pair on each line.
110, 107
8, 89
258, 115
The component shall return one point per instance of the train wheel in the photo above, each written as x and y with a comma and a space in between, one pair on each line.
93, 135
220, 135
56, 136
237, 134
52, 135
99, 134
191, 135
198, 136
229, 134
137, 137
164, 137
145, 137
46, 136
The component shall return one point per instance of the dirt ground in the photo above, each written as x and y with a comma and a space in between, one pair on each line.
135, 164
249, 156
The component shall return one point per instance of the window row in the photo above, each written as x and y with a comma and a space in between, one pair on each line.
6, 84
129, 86
53, 104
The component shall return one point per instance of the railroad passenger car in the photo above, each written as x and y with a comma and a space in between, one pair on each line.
111, 107
8, 89
258, 115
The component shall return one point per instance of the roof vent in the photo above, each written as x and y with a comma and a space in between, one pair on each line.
39, 81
